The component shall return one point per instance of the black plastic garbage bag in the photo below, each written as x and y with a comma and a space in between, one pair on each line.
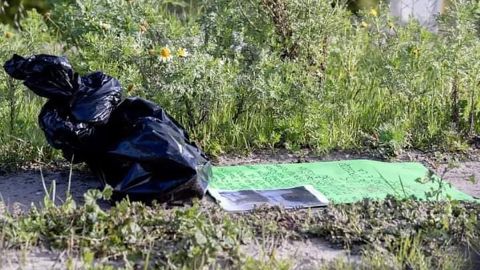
77, 140
153, 155
90, 98
77, 108
46, 75
132, 145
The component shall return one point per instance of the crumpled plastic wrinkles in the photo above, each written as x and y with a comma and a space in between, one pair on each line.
132, 145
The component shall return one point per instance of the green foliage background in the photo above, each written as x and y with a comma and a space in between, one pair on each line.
262, 73
13, 11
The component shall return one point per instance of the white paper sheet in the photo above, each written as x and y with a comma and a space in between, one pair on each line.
244, 200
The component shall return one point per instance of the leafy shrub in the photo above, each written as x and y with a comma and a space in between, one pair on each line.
20, 138
244, 75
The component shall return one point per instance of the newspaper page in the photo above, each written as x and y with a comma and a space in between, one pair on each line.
244, 200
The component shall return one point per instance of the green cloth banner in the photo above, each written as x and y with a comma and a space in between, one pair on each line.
340, 181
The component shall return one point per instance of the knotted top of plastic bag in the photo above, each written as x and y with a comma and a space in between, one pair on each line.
90, 98
47, 76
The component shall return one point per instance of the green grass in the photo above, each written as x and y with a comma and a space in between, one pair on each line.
393, 234
307, 75
259, 74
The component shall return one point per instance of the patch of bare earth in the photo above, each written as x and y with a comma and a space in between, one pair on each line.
21, 189
34, 260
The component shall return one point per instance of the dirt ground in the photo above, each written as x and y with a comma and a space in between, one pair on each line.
19, 190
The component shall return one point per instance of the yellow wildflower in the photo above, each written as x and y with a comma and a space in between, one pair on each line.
8, 34
373, 12
165, 54
182, 52
364, 24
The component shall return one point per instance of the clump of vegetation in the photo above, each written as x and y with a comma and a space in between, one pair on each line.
419, 234
398, 234
13, 11
246, 75
131, 232
260, 74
